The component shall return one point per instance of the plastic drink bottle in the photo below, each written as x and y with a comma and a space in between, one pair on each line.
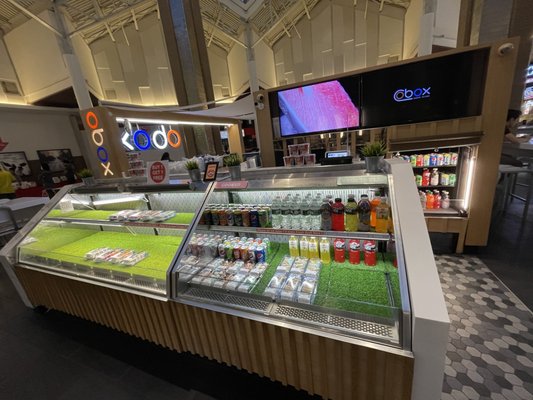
286, 212
330, 198
352, 219
293, 247
325, 215
306, 213
296, 212
363, 209
382, 216
369, 247
436, 199
426, 177
373, 204
276, 212
340, 250
313, 247
315, 213
434, 177
325, 252
430, 200
304, 247
353, 251
445, 201
337, 215
422, 196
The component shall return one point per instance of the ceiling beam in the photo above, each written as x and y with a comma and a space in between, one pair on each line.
35, 17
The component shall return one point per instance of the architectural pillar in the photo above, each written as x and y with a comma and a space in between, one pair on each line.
187, 53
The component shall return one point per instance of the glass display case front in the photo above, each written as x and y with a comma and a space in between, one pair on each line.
125, 238
313, 251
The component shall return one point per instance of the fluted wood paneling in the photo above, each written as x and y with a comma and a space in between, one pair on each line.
327, 367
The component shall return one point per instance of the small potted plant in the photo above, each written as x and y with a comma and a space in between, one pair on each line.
373, 154
233, 162
194, 170
86, 175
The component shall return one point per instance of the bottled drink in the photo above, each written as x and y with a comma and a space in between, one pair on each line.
436, 199
353, 251
296, 212
363, 209
325, 251
306, 213
337, 215
369, 247
373, 204
330, 199
276, 213
304, 247
286, 212
430, 200
382, 216
352, 219
293, 247
325, 215
313, 247
445, 201
434, 181
315, 213
423, 199
426, 177
339, 246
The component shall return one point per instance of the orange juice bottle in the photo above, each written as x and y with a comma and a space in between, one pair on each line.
382, 216
325, 250
373, 204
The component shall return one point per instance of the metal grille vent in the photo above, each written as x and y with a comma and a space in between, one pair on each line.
229, 299
338, 322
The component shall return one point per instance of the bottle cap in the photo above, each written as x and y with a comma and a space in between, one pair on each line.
338, 199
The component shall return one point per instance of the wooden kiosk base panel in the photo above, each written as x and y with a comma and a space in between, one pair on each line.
318, 365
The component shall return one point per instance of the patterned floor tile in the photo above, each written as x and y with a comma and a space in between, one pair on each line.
490, 349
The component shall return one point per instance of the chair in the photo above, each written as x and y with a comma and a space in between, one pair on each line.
509, 175
8, 224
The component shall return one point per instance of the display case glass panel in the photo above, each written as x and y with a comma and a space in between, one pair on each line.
266, 247
124, 238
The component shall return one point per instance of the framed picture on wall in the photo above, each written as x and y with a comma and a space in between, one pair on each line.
17, 163
58, 160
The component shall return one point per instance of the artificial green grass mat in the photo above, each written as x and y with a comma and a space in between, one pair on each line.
179, 218
161, 250
52, 237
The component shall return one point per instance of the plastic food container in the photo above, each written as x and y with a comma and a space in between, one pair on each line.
293, 149
298, 160
304, 148
310, 159
287, 161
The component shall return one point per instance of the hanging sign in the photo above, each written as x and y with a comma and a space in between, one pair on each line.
141, 140
98, 138
157, 172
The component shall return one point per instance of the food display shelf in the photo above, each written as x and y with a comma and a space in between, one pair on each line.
103, 222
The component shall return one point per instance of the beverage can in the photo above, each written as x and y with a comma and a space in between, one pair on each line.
452, 179
418, 180
237, 216
237, 252
245, 216
440, 159
444, 179
223, 217
263, 217
426, 160
260, 254
244, 252
251, 253
369, 247
222, 250
340, 249
254, 217
215, 217
412, 160
230, 217
432, 160
447, 159
453, 158
419, 160
353, 251
229, 251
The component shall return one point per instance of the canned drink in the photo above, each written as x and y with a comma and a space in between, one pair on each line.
207, 216
453, 158
432, 160
452, 179
237, 253
254, 217
237, 216
418, 180
244, 253
413, 159
251, 253
440, 159
260, 254
229, 251
426, 160
245, 217
263, 217
222, 217
444, 179
222, 250
215, 219
419, 160
230, 216
447, 159
266, 243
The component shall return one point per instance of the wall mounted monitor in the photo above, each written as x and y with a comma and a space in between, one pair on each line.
442, 88
321, 107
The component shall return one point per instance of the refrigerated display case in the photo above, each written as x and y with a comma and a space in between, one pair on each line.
232, 290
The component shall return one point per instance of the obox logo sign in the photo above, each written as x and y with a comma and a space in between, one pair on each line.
412, 94
97, 136
159, 139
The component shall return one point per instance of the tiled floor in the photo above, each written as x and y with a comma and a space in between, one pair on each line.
490, 353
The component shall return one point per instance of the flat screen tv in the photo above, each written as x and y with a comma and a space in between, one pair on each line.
442, 88
320, 107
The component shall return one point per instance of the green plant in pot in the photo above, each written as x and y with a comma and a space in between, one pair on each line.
233, 162
86, 176
194, 170
373, 154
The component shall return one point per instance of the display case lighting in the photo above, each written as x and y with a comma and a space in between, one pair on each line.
124, 199
469, 179
169, 122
